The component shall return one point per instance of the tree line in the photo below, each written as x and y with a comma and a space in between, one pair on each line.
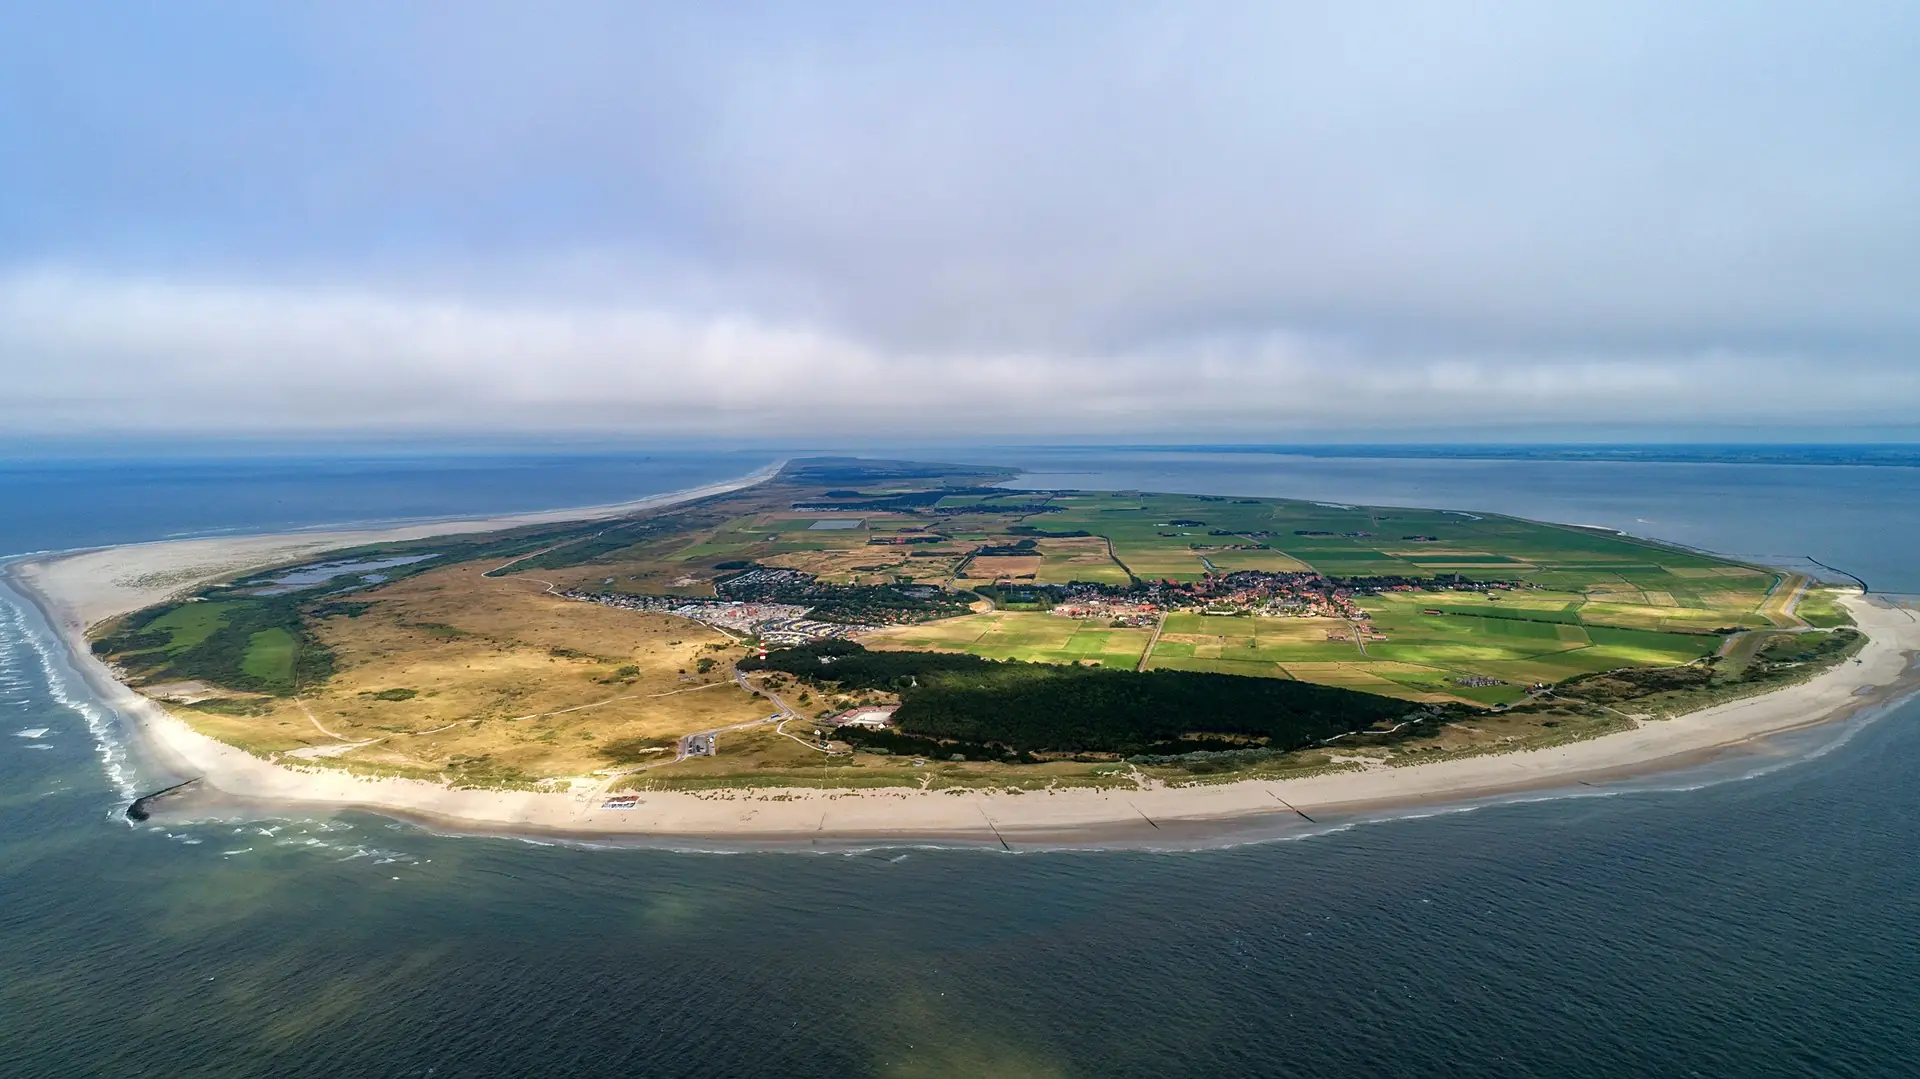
1051, 708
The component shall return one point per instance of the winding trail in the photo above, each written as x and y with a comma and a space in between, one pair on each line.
781, 730
346, 745
740, 677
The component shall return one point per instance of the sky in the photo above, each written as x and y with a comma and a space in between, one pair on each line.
1107, 221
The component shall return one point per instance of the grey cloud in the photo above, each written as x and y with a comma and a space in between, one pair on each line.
145, 355
1201, 217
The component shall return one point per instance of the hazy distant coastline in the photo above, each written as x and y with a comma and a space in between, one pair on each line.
1901, 455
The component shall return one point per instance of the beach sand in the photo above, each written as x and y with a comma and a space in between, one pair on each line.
85, 588
80, 590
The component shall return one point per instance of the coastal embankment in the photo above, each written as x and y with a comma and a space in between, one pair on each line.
80, 590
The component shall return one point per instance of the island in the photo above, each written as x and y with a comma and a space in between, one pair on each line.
845, 646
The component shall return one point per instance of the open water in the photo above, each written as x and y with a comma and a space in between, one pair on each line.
1757, 918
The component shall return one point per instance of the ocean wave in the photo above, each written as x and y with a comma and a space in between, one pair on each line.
101, 723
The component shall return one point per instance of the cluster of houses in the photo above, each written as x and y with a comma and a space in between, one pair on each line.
1120, 610
773, 623
801, 630
863, 716
1242, 592
1279, 595
761, 577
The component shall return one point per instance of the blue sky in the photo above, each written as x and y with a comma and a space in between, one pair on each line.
1181, 221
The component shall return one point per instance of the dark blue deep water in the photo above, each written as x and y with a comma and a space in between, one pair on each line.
1767, 925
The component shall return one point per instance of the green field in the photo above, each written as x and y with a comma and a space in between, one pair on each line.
1598, 601
1146, 538
189, 624
247, 642
1043, 638
269, 656
1820, 610
1422, 656
1513, 646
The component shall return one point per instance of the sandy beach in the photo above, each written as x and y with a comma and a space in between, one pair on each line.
80, 590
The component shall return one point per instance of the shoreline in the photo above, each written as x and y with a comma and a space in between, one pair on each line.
75, 590
1181, 817
128, 577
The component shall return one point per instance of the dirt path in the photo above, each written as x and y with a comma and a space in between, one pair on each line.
321, 727
510, 563
781, 730
345, 745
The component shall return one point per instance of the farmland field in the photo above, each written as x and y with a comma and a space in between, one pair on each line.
1041, 638
1590, 600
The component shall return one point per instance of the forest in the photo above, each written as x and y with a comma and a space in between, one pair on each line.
1053, 708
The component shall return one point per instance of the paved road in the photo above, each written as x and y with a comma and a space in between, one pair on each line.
1359, 639
1799, 581
1151, 641
740, 677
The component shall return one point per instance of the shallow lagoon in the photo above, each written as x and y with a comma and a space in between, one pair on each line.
362, 572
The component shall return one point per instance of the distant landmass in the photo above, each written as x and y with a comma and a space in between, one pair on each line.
1906, 455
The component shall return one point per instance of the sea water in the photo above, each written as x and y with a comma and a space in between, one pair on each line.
1756, 917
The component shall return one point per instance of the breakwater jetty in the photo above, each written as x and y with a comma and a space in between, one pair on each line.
143, 806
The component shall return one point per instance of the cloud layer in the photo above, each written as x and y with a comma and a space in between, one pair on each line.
157, 355
1181, 220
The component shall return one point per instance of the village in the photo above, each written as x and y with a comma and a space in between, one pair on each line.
1249, 592
783, 607
772, 623
1143, 605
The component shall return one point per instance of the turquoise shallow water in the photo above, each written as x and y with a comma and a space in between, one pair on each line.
1756, 918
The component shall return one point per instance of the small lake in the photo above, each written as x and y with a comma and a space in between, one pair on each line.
365, 571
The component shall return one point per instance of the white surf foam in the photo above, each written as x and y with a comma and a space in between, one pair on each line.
70, 692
